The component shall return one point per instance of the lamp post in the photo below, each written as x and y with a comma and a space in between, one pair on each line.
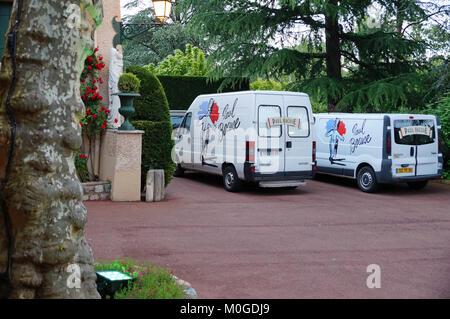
129, 31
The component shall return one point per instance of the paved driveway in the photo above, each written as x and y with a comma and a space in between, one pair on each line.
313, 242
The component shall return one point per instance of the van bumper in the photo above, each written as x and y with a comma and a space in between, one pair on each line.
409, 178
251, 176
385, 175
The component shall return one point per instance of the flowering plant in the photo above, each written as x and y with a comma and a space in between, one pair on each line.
96, 117
95, 120
81, 166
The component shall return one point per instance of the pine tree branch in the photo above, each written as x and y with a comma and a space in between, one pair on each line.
442, 9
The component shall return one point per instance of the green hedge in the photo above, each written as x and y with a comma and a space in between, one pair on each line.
182, 90
152, 116
157, 147
152, 105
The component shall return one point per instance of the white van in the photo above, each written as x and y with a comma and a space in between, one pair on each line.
379, 148
254, 136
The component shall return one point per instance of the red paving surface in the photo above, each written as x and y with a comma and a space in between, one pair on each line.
313, 242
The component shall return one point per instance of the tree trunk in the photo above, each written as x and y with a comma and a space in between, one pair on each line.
43, 196
333, 51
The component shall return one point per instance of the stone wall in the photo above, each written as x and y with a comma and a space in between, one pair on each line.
96, 191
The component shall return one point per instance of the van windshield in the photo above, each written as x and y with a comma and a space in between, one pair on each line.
414, 132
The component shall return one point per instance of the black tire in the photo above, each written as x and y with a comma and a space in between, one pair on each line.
179, 171
417, 185
231, 181
366, 180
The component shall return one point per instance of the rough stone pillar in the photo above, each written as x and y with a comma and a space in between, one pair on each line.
43, 195
120, 163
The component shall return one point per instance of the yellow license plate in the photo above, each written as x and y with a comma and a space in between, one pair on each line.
404, 170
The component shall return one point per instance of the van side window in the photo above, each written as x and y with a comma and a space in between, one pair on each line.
298, 112
264, 113
187, 122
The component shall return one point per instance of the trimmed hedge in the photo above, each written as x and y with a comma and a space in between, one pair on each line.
157, 147
152, 105
181, 91
153, 116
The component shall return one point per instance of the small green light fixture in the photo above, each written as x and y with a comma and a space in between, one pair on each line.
108, 282
162, 9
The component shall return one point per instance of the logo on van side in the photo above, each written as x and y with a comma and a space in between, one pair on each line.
335, 129
211, 110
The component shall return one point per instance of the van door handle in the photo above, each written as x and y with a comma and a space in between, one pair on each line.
288, 144
411, 151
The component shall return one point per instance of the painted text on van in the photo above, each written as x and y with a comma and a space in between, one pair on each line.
360, 137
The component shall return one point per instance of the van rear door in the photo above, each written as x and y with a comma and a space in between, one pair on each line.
415, 147
298, 137
270, 145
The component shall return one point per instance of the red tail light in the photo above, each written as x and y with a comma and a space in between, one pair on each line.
250, 151
314, 151
388, 144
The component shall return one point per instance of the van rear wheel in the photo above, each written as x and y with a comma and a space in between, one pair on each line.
417, 185
231, 181
366, 179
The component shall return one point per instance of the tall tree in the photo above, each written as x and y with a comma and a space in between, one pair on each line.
360, 65
43, 249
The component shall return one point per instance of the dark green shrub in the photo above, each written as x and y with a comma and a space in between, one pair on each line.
441, 108
182, 90
157, 146
152, 105
129, 83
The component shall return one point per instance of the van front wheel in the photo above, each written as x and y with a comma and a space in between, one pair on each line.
179, 171
366, 179
231, 181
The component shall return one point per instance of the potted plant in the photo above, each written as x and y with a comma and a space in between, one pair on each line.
129, 89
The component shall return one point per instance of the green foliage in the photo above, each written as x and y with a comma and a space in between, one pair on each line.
152, 105
129, 83
153, 116
375, 68
266, 85
154, 45
150, 281
441, 108
157, 144
191, 63
182, 90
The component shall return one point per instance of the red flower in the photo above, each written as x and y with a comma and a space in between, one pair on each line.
96, 50
80, 156
103, 127
95, 81
116, 120
89, 67
94, 117
85, 157
95, 88
89, 59
100, 58
82, 80
81, 123
108, 111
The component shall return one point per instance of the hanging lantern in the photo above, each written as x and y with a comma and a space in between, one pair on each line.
162, 9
